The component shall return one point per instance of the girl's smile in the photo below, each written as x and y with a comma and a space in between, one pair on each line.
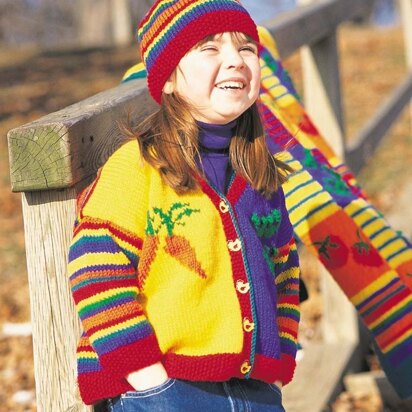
220, 77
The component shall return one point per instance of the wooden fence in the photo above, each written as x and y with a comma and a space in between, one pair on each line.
53, 157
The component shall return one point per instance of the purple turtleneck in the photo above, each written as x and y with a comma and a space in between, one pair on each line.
214, 141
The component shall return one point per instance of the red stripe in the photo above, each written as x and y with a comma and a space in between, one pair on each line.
161, 27
95, 288
387, 306
120, 233
394, 336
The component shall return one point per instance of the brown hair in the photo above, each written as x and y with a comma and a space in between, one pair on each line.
168, 140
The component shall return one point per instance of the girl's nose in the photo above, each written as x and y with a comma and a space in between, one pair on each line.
234, 59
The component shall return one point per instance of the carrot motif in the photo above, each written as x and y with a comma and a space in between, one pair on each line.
150, 245
181, 250
176, 246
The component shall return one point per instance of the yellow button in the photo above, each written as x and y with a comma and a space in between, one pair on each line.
224, 208
242, 287
234, 245
248, 326
245, 368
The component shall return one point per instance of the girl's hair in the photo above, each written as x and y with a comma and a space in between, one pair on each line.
168, 141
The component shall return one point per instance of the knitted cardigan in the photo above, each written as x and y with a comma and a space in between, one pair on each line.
206, 283
369, 259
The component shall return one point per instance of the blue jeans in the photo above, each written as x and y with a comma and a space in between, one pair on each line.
236, 395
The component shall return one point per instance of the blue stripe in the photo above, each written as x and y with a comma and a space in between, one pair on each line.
369, 221
130, 335
398, 252
388, 242
358, 212
93, 244
379, 232
188, 18
301, 186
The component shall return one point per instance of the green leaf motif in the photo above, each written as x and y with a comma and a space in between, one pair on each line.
266, 226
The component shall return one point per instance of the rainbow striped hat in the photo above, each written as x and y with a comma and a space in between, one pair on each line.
172, 27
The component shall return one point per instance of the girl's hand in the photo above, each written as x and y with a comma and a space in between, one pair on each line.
147, 378
279, 384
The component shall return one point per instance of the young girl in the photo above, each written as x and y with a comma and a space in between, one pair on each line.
183, 264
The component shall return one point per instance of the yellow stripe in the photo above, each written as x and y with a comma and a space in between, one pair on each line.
403, 257
167, 28
149, 22
291, 273
288, 336
373, 287
87, 355
94, 259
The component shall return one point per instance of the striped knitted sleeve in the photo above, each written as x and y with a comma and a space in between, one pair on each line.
103, 259
102, 269
287, 283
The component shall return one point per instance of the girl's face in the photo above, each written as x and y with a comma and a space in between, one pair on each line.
220, 78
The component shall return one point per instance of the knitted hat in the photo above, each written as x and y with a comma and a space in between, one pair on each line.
172, 27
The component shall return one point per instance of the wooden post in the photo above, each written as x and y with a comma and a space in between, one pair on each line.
48, 215
48, 159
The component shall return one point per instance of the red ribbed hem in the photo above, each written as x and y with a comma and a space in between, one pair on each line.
215, 368
132, 357
270, 370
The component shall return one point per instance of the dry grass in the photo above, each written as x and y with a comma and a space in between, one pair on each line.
33, 85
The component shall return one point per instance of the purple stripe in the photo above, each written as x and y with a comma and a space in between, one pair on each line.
377, 293
401, 352
124, 337
93, 246
87, 365
187, 18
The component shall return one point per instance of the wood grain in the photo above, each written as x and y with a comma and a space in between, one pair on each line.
48, 219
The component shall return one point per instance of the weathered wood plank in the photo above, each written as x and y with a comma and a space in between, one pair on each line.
67, 146
361, 148
48, 219
312, 23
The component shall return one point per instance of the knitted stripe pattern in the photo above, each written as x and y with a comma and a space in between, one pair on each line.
371, 262
172, 27
150, 286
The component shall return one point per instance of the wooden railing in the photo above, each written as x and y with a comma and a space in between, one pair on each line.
53, 157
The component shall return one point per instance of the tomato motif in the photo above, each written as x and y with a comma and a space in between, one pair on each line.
333, 253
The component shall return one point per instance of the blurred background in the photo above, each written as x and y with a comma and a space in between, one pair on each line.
54, 53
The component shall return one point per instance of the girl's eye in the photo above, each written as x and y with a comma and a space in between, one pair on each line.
208, 47
250, 49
